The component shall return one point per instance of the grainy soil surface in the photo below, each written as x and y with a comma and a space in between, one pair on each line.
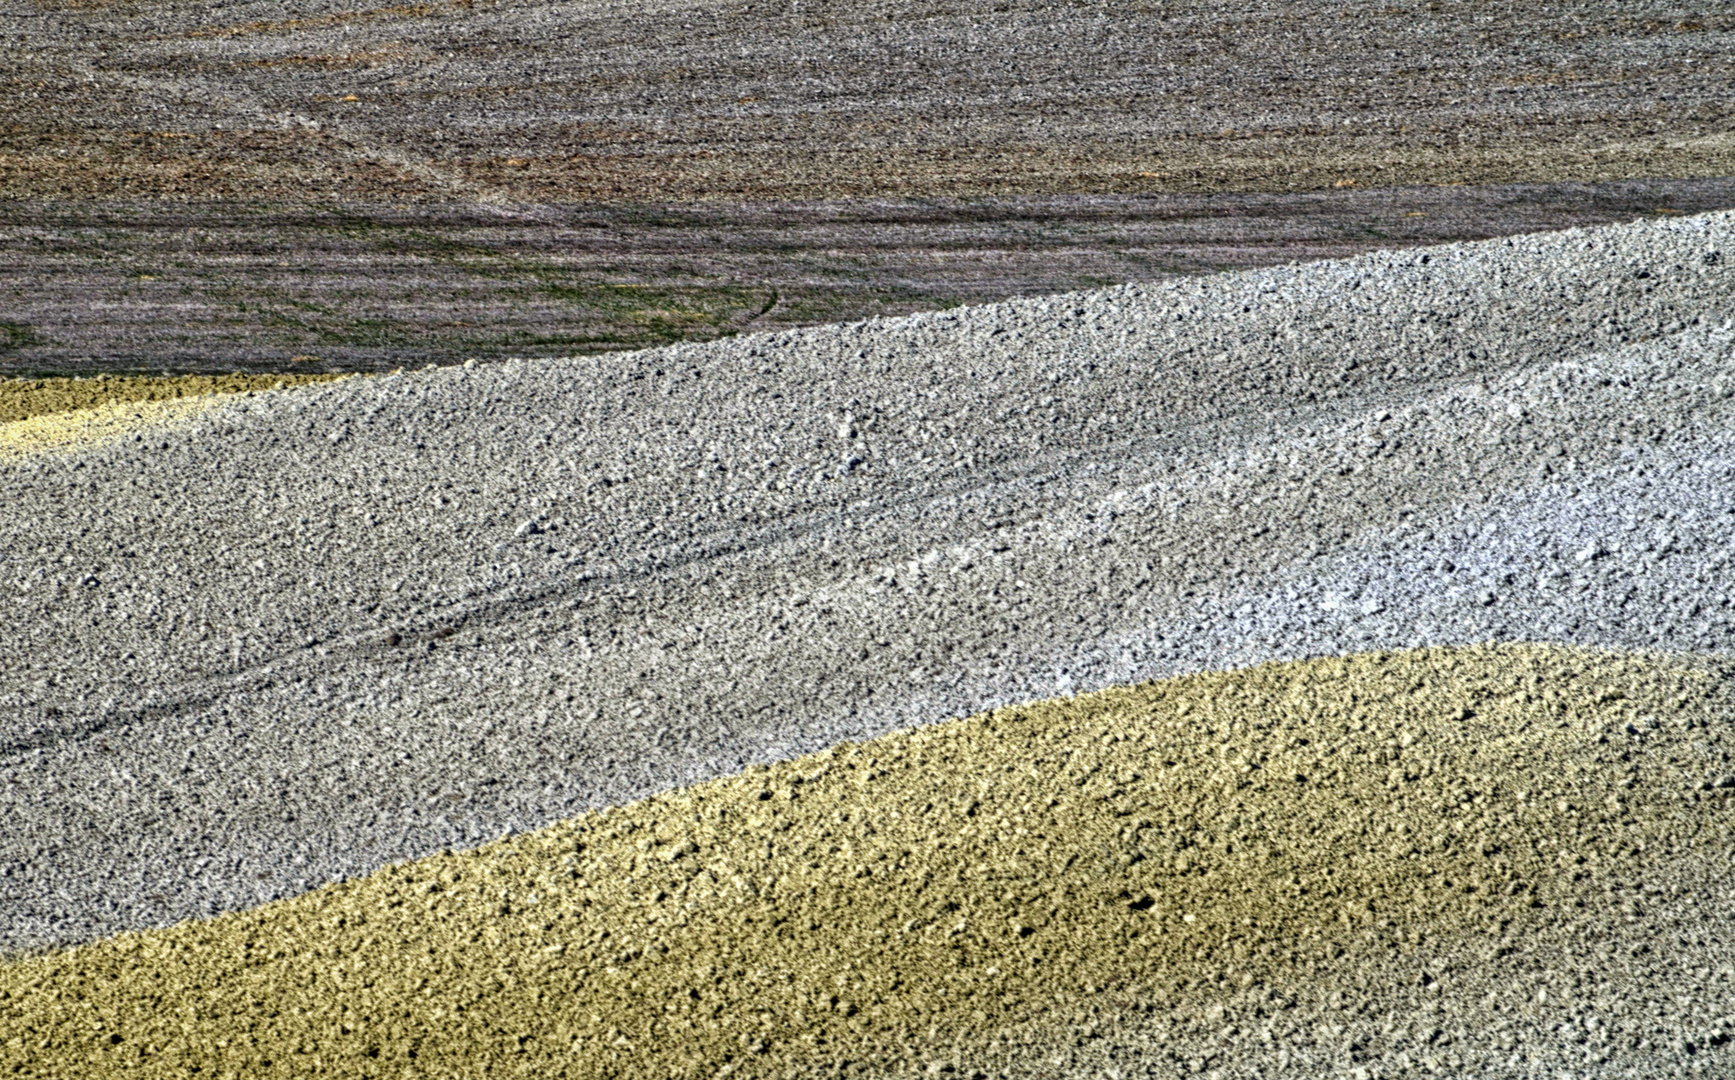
271, 649
343, 186
217, 287
520, 101
61, 415
320, 629
1491, 861
1344, 646
64, 432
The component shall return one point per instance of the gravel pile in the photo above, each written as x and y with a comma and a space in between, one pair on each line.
310, 632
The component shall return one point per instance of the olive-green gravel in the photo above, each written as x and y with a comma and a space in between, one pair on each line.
1494, 858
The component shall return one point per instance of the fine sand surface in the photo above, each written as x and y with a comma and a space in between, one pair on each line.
1495, 861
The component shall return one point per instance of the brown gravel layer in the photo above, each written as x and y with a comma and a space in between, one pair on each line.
1498, 859
212, 287
513, 101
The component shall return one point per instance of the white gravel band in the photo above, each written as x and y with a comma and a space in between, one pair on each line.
311, 632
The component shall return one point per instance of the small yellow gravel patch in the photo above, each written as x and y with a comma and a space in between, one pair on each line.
21, 399
87, 427
38, 415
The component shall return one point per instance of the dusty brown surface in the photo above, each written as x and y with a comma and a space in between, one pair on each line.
330, 186
21, 399
1506, 859
517, 101
214, 287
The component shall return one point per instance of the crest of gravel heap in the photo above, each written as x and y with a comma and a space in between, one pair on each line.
314, 631
1444, 858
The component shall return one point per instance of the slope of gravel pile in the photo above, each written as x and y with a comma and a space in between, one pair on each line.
1497, 861
308, 634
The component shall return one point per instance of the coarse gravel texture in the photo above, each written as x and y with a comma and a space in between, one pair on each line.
1498, 861
21, 440
525, 101
312, 632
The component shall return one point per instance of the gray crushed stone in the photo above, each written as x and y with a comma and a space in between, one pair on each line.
313, 632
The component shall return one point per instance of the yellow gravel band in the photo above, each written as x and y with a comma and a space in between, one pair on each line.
968, 885
88, 427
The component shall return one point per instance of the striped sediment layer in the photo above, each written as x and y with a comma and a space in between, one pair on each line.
1497, 860
798, 103
397, 286
67, 413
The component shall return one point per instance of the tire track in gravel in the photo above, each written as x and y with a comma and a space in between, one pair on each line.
1008, 481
